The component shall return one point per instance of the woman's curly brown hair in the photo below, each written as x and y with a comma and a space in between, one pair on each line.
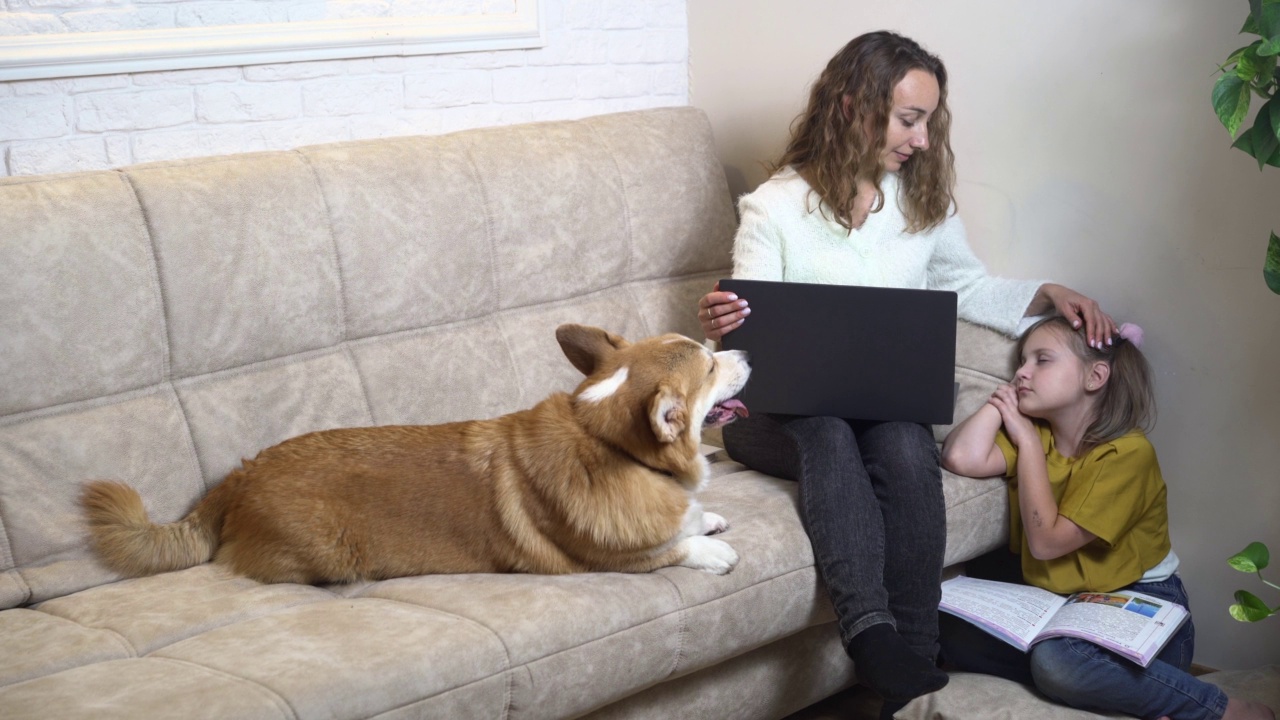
832, 150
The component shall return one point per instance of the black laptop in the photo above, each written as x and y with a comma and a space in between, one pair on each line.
848, 351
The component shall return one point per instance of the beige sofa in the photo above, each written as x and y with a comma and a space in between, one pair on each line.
160, 322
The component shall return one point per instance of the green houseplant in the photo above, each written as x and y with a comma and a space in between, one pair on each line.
1247, 72
1249, 607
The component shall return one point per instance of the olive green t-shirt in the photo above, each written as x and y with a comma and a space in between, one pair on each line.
1116, 492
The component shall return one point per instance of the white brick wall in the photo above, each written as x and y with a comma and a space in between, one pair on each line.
52, 16
601, 56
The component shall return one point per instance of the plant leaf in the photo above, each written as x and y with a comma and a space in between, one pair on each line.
1266, 18
1245, 143
1231, 101
1253, 558
1233, 57
1248, 63
1265, 140
1275, 116
1265, 73
1255, 12
1271, 266
1249, 608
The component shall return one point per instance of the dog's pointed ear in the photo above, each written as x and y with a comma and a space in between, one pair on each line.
586, 346
668, 414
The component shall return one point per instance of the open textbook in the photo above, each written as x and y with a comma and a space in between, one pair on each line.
1131, 624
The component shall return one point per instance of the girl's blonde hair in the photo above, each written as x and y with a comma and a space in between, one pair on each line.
833, 151
1127, 400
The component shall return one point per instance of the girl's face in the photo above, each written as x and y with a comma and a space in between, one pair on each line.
1051, 377
915, 98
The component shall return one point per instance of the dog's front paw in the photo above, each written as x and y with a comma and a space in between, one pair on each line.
709, 555
713, 523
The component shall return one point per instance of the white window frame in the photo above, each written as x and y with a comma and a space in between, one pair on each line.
56, 55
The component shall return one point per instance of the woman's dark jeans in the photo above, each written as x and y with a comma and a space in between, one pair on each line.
871, 501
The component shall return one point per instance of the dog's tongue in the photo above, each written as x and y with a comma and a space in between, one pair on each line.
736, 406
725, 413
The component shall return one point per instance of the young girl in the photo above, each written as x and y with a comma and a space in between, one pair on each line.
1088, 513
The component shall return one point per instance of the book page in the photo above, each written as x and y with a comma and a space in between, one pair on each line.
1019, 611
1128, 622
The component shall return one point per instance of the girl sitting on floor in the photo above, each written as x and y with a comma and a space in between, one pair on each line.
1088, 513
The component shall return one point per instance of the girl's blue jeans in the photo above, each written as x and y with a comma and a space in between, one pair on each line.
1086, 676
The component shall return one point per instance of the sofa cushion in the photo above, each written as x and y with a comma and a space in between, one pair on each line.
245, 258
67, 238
977, 509
983, 696
43, 461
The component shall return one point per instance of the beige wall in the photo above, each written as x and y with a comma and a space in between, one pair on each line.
1088, 153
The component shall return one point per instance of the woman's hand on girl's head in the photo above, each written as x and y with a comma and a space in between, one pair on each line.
721, 313
1017, 426
1099, 328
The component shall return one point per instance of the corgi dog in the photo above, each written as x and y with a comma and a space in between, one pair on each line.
600, 479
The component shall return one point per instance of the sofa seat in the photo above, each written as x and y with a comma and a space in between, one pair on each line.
204, 642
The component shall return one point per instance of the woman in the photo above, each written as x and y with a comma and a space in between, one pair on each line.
863, 195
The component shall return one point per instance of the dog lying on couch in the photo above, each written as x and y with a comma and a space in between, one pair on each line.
600, 480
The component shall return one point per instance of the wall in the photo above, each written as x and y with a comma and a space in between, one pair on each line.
61, 16
601, 56
1088, 152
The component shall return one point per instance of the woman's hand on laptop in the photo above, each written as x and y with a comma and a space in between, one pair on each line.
721, 313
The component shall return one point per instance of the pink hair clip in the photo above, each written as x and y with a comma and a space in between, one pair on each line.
1132, 333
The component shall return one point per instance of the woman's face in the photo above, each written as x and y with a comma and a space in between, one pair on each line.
915, 98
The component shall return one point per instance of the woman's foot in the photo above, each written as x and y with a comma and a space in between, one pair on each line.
890, 708
887, 664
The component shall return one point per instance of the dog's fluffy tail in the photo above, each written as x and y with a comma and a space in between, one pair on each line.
129, 543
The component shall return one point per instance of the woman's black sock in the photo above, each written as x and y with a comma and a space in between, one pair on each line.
887, 664
890, 708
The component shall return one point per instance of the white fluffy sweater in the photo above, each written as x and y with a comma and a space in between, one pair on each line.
784, 236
